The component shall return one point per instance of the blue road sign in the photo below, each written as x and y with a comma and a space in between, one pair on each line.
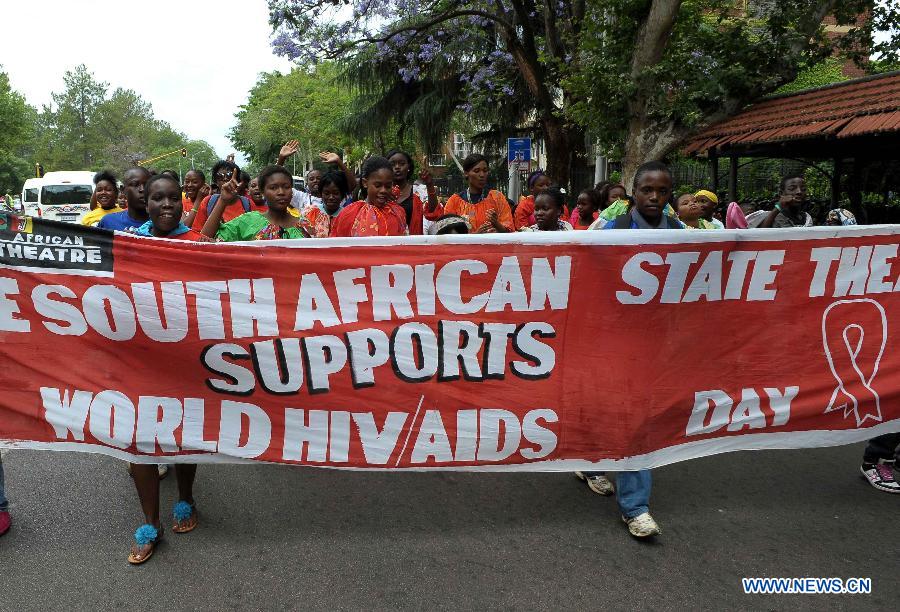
518, 150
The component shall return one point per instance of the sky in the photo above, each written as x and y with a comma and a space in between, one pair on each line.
146, 47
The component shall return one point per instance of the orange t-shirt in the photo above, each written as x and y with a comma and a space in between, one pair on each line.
477, 213
524, 212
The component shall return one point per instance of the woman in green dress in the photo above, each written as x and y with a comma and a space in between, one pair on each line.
277, 222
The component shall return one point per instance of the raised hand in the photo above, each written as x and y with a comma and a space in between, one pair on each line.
425, 176
203, 192
288, 149
230, 189
330, 158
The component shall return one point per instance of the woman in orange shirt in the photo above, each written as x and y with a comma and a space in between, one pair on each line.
486, 210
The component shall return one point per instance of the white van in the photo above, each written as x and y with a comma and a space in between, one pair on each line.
66, 196
30, 193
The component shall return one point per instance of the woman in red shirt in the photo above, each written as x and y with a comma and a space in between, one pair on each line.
417, 205
587, 209
378, 214
537, 183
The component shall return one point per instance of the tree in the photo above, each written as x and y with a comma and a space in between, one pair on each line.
668, 68
86, 127
124, 126
309, 105
639, 76
75, 108
418, 62
305, 105
16, 126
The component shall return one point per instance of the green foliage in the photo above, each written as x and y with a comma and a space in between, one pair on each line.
314, 107
824, 73
716, 58
880, 66
16, 119
818, 185
306, 105
87, 128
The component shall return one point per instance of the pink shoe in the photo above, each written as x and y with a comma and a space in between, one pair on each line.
5, 522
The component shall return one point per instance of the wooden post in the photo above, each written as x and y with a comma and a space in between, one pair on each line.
732, 178
836, 182
714, 169
855, 192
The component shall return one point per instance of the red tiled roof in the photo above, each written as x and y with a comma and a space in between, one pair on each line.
852, 108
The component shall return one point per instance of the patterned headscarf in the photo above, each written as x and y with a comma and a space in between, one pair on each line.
840, 216
449, 220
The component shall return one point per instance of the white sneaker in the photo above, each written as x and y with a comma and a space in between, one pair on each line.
642, 526
880, 476
598, 483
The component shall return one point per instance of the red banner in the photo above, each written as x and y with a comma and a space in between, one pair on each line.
538, 351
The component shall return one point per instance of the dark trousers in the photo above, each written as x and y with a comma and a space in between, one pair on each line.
883, 448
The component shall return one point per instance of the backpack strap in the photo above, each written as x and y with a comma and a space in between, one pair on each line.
672, 222
623, 221
245, 202
211, 203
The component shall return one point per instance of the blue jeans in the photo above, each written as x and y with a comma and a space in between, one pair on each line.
632, 491
4, 503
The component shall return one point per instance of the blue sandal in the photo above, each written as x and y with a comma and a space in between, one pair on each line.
145, 535
183, 512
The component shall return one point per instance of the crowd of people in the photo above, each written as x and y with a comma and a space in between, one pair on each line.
386, 200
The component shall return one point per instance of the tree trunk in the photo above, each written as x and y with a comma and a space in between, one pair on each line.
565, 146
646, 142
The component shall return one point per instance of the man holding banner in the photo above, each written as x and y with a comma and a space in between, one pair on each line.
652, 190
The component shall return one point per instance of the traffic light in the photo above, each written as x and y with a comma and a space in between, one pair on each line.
184, 152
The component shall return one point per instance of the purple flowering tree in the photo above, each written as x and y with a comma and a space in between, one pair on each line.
637, 76
498, 66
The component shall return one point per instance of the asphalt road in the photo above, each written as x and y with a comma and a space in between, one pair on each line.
276, 537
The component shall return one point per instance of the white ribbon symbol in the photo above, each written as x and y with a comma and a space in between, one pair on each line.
849, 356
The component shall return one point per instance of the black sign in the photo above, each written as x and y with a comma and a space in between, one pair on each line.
30, 242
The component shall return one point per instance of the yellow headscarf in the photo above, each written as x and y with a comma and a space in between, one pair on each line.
707, 194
